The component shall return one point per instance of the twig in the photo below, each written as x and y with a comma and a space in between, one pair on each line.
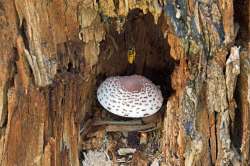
115, 128
107, 122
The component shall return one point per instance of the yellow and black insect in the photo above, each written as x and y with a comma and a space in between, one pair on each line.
131, 55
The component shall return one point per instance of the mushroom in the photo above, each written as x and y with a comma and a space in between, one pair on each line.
130, 96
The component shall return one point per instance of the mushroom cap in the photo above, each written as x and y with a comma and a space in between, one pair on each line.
130, 96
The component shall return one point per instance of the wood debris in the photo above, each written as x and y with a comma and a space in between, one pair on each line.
125, 151
96, 158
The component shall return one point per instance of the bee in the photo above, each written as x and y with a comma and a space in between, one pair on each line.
131, 55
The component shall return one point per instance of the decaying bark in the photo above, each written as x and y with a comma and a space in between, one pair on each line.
206, 124
49, 57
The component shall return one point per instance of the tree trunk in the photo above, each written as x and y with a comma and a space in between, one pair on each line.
53, 52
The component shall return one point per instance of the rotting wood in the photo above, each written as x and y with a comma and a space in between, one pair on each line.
35, 54
42, 124
210, 51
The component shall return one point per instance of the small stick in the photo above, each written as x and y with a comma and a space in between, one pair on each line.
107, 122
114, 128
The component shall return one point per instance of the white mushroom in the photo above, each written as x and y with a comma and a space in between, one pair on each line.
130, 96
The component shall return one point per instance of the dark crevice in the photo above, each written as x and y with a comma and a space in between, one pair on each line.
23, 32
145, 39
152, 51
237, 129
4, 110
216, 131
241, 17
70, 67
70, 58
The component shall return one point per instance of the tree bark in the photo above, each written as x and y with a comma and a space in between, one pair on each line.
49, 61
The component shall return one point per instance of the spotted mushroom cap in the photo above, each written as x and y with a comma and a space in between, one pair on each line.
130, 96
